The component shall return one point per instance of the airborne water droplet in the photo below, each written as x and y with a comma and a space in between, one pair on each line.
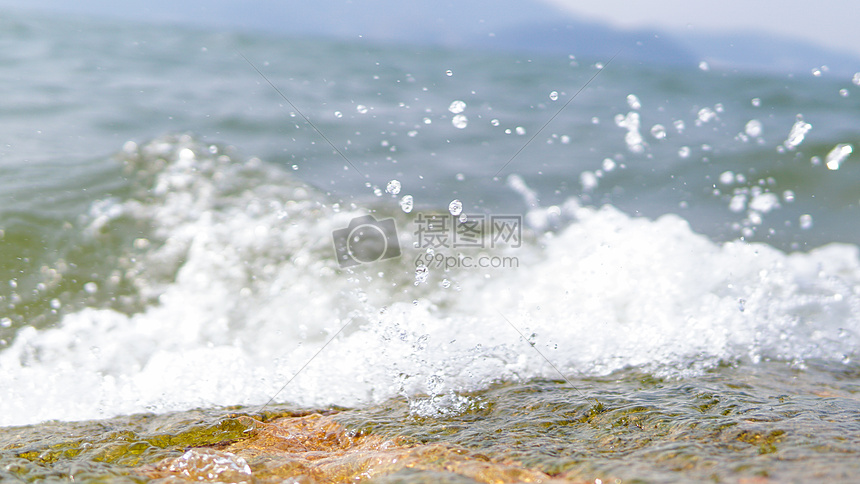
361, 108
449, 73
393, 187
608, 164
633, 101
684, 152
837, 155
421, 273
406, 203
753, 128
658, 131
706, 114
520, 130
554, 95
455, 207
457, 107
338, 114
494, 122
460, 121
797, 133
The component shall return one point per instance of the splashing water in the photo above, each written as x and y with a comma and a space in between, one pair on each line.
455, 207
457, 107
460, 121
393, 187
837, 155
797, 133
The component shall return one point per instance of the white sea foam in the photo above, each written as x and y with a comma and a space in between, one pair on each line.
256, 292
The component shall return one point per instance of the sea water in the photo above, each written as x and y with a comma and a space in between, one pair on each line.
167, 221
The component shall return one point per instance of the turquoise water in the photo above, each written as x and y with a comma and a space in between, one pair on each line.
166, 226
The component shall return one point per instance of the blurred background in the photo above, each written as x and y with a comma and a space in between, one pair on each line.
789, 36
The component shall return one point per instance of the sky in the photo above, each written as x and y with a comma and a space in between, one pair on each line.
830, 23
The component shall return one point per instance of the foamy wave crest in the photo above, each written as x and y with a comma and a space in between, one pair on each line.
242, 290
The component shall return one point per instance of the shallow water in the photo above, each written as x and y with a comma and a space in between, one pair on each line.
732, 424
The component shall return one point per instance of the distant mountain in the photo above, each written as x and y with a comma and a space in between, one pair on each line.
749, 51
593, 41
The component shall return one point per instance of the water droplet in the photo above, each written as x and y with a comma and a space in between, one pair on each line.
449, 73
495, 122
684, 151
377, 192
837, 155
457, 107
427, 120
213, 149
406, 203
704, 66
706, 115
816, 72
633, 101
361, 108
756, 102
412, 133
588, 180
727, 178
753, 128
393, 187
554, 95
856, 79
598, 65
679, 125
565, 139
742, 304
608, 164
520, 130
788, 196
461, 177
806, 221
797, 133
738, 203
658, 131
460, 121
338, 114
843, 92
186, 154
55, 303
446, 283
421, 273
455, 207
5, 322
91, 287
